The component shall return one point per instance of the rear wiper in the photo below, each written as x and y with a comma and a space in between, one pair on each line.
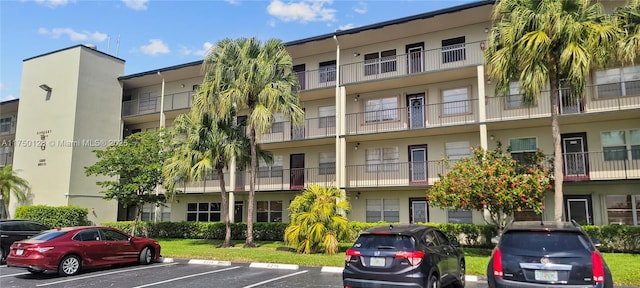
386, 247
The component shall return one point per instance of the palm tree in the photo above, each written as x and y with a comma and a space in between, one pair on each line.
628, 20
11, 182
254, 78
543, 42
316, 222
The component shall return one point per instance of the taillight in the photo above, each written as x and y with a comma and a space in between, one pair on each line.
497, 263
39, 249
351, 254
597, 266
414, 257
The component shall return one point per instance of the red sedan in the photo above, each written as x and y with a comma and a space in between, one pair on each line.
68, 250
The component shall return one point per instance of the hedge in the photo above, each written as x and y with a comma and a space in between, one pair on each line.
62, 216
614, 238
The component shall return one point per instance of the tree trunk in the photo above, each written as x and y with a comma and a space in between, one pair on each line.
252, 189
225, 209
135, 221
5, 207
558, 173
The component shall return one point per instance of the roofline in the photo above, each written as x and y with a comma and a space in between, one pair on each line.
393, 22
75, 46
153, 72
9, 101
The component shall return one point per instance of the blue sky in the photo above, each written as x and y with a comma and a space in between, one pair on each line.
152, 34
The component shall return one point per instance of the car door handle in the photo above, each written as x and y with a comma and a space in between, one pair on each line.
4, 236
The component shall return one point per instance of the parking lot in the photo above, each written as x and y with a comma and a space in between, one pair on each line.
183, 273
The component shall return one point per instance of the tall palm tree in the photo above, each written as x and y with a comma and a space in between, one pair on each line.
255, 78
541, 42
628, 20
11, 182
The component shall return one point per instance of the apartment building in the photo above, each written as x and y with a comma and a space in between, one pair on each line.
8, 117
384, 103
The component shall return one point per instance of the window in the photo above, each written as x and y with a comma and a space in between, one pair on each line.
87, 235
278, 123
384, 109
523, 149
457, 150
382, 159
387, 210
515, 98
5, 125
269, 211
455, 101
618, 82
459, 216
327, 71
149, 213
204, 211
275, 170
327, 116
112, 235
453, 50
620, 209
380, 62
327, 163
615, 144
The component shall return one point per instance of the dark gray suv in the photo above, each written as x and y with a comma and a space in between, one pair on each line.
535, 254
404, 256
16, 230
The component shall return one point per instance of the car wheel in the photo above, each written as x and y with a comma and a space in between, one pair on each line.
146, 255
70, 265
434, 282
461, 277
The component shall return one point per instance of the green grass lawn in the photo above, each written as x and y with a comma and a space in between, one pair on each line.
624, 267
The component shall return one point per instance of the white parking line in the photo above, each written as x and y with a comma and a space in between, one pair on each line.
275, 279
103, 274
189, 276
9, 275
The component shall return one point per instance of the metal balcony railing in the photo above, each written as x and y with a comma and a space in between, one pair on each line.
394, 174
311, 128
445, 58
612, 164
316, 79
5, 159
414, 117
147, 105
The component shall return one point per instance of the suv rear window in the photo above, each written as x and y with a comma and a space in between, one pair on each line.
44, 236
388, 241
544, 241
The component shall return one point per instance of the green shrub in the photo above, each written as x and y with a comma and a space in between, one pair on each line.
62, 216
616, 238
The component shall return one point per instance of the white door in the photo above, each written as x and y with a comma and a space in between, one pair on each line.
415, 59
418, 164
416, 111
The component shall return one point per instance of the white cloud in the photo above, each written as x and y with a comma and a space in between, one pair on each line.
136, 4
205, 49
271, 23
73, 35
54, 3
1, 86
233, 2
302, 11
155, 47
361, 7
346, 26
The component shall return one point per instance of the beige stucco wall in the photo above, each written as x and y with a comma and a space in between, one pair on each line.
80, 114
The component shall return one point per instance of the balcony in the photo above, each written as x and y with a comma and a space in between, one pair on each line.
312, 128
427, 61
609, 165
316, 79
5, 159
394, 174
415, 117
148, 105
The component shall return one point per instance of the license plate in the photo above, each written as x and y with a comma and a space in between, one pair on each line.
376, 261
546, 275
19, 252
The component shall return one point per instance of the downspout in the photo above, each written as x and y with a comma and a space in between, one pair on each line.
157, 212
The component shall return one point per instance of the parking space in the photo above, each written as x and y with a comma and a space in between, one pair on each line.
175, 274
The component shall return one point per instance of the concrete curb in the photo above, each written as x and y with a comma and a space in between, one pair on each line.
279, 266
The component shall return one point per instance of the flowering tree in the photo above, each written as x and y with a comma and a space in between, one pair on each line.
493, 181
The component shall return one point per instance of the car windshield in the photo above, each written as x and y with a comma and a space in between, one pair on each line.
384, 241
544, 241
48, 235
